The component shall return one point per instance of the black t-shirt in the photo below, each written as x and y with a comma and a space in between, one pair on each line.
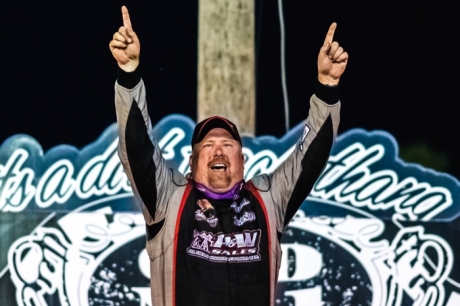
222, 253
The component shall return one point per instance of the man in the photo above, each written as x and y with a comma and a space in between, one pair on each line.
212, 238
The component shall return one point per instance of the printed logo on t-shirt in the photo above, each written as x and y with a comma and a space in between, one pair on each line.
206, 213
200, 216
239, 207
248, 216
238, 247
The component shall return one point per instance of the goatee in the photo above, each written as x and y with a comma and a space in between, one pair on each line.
219, 180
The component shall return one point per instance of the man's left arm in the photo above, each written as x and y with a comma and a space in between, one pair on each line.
293, 180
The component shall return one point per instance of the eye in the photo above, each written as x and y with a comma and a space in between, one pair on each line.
228, 145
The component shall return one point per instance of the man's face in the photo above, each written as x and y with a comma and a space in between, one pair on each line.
217, 161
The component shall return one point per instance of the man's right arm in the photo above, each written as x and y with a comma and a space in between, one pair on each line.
138, 151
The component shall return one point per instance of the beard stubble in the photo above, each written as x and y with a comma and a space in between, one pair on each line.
219, 180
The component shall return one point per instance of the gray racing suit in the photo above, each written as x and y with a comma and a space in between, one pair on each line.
227, 253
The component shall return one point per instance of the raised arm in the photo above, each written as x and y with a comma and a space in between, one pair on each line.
291, 183
138, 150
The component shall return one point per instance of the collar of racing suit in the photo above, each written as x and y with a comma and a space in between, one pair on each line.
231, 194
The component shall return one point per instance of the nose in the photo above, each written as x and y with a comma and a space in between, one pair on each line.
218, 151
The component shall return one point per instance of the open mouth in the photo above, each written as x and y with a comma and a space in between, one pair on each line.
219, 167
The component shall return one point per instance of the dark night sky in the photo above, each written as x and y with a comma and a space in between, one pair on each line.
58, 73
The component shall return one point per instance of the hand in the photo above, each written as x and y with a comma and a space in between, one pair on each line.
125, 45
332, 59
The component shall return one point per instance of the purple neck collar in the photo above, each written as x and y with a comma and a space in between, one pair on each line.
231, 194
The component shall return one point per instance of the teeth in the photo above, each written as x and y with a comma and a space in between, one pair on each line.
219, 166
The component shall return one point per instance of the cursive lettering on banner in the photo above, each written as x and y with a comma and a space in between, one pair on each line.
102, 175
56, 185
16, 188
348, 178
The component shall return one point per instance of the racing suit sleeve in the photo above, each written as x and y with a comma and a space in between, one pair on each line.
138, 150
293, 180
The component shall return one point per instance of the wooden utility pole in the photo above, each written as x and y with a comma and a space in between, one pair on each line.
226, 80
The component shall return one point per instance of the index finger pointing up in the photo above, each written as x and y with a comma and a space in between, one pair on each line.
330, 33
126, 19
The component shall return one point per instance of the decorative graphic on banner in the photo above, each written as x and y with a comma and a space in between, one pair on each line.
374, 230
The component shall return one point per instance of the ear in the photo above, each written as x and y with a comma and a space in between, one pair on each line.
190, 159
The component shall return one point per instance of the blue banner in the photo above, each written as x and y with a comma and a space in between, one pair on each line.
374, 230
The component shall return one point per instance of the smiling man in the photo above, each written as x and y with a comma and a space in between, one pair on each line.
213, 238
217, 159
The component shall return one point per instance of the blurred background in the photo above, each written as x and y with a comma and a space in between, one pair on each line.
402, 76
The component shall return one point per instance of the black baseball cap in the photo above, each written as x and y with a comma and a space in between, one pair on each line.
203, 128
